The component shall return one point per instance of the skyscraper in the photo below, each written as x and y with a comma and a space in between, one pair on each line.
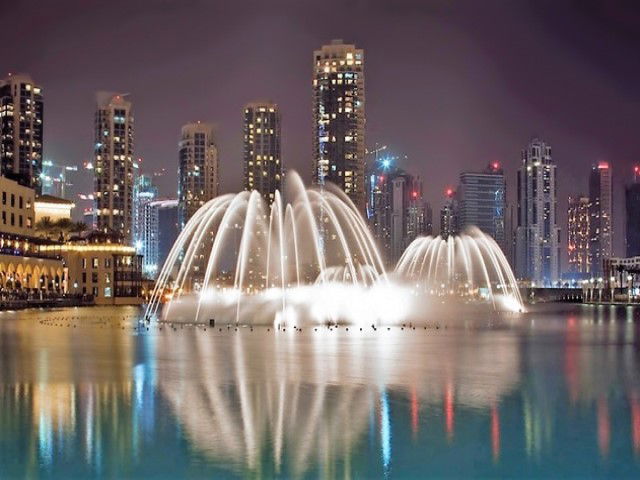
632, 205
397, 211
160, 231
113, 165
410, 213
144, 192
578, 235
537, 233
338, 115
482, 202
198, 179
449, 214
600, 214
262, 151
21, 130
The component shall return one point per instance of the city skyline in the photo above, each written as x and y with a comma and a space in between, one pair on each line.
494, 111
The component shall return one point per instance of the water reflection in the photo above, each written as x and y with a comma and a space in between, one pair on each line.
556, 391
246, 396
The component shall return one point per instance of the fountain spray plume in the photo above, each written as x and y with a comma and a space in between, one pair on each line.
238, 251
469, 265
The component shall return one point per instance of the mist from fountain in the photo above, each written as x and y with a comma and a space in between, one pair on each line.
470, 265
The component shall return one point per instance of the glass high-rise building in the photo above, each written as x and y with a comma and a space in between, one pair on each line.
600, 216
578, 235
144, 192
632, 205
482, 202
21, 130
263, 169
537, 233
198, 179
113, 165
160, 231
339, 119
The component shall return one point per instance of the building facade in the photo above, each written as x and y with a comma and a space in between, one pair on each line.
632, 213
159, 234
397, 210
578, 236
537, 233
21, 130
113, 165
198, 180
339, 119
17, 207
449, 216
144, 192
99, 265
33, 266
600, 216
482, 202
24, 269
263, 169
410, 213
400, 213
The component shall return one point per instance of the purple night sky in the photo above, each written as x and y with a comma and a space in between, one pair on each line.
452, 84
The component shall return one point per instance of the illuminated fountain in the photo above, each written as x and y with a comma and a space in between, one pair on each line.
470, 266
239, 260
311, 259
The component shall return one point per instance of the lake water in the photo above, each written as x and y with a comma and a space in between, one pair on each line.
553, 392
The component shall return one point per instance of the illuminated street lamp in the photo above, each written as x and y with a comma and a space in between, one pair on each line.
629, 286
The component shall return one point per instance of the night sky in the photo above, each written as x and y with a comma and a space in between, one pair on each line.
450, 84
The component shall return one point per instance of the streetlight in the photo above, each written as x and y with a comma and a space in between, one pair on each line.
629, 286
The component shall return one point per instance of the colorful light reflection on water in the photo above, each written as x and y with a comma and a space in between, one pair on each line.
554, 392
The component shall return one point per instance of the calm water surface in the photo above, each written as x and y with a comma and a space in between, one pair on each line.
555, 392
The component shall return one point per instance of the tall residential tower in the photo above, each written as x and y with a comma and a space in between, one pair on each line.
198, 179
600, 214
537, 233
21, 129
338, 116
578, 235
113, 165
262, 149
